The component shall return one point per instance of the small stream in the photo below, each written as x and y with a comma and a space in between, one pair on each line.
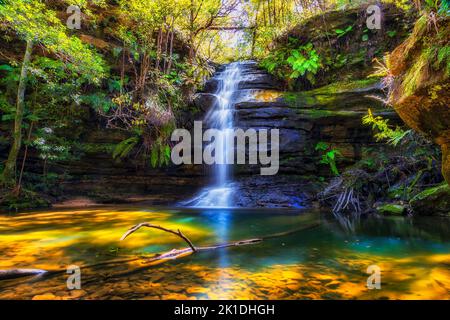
324, 262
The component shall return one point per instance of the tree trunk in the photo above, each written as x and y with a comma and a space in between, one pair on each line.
8, 176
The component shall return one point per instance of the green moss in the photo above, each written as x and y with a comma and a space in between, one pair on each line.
320, 113
391, 209
424, 51
326, 96
413, 77
345, 86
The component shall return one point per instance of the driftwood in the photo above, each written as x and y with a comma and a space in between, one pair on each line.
177, 253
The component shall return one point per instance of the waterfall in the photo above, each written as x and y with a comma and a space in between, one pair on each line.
221, 117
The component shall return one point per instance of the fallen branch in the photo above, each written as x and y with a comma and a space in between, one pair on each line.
177, 253
149, 225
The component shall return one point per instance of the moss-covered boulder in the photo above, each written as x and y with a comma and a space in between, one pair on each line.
432, 201
420, 69
391, 209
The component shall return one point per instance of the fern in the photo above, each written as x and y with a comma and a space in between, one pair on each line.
124, 147
329, 156
385, 131
154, 156
160, 154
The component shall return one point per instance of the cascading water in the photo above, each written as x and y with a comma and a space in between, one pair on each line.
221, 117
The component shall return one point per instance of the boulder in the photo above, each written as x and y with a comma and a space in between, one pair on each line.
211, 85
204, 101
421, 86
432, 201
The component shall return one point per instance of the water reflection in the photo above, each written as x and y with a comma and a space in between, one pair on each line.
324, 262
221, 221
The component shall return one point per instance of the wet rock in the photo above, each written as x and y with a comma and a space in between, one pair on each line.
272, 192
204, 101
259, 104
211, 85
265, 112
259, 80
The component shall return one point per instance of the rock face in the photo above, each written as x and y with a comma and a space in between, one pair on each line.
96, 175
330, 114
421, 87
252, 78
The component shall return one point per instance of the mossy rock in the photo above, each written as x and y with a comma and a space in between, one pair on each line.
25, 200
391, 209
432, 201
421, 87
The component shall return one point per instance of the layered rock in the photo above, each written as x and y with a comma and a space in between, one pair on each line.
330, 114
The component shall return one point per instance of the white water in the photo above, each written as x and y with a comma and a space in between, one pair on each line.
220, 117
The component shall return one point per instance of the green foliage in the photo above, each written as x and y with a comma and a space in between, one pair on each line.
304, 59
384, 130
440, 6
292, 63
443, 58
160, 154
391, 33
31, 19
24, 200
51, 148
329, 156
342, 32
124, 148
